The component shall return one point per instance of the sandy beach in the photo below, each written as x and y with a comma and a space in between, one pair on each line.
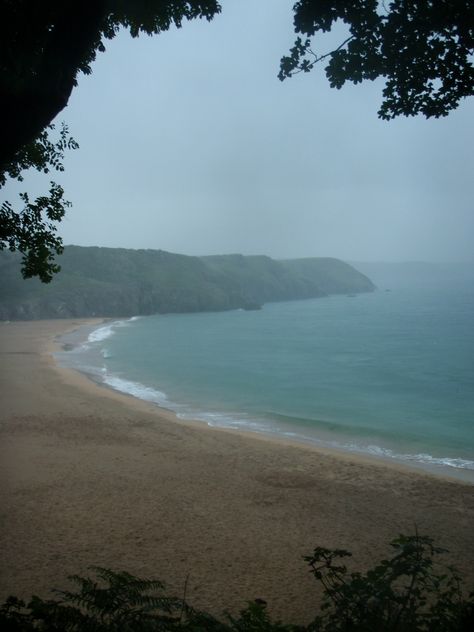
93, 477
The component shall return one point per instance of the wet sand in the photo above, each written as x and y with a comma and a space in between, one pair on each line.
93, 477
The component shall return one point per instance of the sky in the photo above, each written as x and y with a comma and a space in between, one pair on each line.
190, 143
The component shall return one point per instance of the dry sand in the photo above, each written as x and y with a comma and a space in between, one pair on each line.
91, 477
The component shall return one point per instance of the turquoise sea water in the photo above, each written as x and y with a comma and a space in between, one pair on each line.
389, 373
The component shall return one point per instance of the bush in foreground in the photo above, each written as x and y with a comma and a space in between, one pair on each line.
405, 593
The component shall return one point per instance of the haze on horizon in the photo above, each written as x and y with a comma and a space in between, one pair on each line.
189, 143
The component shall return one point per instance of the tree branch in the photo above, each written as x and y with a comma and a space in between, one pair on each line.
318, 59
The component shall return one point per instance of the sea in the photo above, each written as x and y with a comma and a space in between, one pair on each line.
388, 374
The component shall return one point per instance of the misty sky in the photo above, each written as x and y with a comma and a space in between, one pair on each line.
190, 143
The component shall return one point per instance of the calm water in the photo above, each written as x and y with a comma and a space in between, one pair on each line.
389, 373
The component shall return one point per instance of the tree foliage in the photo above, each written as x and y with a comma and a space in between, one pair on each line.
405, 593
44, 46
32, 230
422, 48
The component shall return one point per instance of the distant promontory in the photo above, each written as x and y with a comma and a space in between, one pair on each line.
115, 282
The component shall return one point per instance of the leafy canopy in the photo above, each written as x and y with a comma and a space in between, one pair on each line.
405, 593
45, 45
32, 230
43, 48
422, 48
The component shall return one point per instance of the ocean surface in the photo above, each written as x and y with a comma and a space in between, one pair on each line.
388, 373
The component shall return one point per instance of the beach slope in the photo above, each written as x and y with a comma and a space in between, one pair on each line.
92, 477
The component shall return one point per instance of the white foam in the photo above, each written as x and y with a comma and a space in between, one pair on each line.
242, 420
224, 420
463, 464
423, 458
100, 334
375, 450
136, 389
105, 331
246, 422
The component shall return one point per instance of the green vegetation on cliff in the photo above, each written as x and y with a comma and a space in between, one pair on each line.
119, 282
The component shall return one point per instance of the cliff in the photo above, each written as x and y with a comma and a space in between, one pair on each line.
120, 282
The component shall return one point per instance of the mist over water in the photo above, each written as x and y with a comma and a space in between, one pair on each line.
389, 373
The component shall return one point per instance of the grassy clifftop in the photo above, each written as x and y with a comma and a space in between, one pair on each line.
120, 282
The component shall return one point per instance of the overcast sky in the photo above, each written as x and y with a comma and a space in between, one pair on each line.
190, 143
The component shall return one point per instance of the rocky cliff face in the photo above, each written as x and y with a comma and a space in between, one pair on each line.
120, 282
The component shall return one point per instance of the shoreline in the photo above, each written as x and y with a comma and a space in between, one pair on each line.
95, 477
80, 335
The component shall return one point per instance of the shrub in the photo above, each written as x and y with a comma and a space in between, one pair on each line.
406, 593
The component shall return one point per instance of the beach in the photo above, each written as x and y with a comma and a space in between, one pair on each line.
93, 477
